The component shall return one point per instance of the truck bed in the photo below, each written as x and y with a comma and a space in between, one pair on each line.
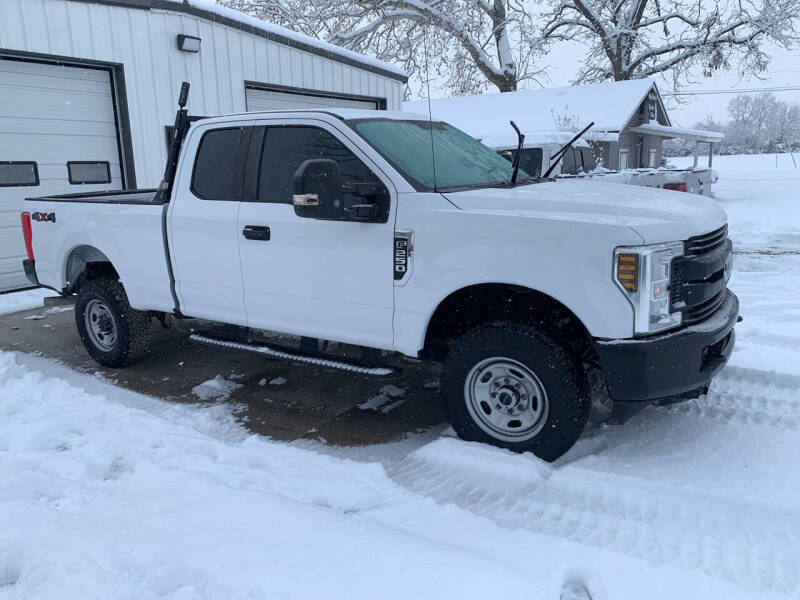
123, 227
697, 180
147, 196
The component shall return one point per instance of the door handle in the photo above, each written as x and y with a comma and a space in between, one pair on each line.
260, 233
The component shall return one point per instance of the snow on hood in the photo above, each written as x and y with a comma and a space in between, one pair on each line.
656, 215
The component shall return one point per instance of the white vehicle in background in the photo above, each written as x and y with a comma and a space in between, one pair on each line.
579, 162
339, 225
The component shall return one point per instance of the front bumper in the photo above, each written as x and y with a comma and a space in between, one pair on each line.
30, 271
673, 365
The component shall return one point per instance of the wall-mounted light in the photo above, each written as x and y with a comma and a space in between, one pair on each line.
188, 43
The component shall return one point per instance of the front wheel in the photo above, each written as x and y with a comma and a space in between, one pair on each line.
515, 387
113, 333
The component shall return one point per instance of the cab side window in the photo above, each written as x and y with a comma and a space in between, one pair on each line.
215, 165
287, 147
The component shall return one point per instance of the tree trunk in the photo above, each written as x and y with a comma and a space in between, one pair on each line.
507, 84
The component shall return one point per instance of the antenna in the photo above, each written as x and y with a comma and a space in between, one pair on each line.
430, 112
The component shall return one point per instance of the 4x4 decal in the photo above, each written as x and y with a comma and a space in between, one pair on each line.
45, 217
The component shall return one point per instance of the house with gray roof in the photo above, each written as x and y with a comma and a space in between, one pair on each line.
630, 119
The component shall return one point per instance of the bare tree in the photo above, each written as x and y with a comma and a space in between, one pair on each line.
467, 45
632, 39
757, 123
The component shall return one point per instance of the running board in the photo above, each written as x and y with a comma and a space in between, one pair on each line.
296, 355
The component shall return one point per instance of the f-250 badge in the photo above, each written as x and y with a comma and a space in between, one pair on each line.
40, 216
403, 249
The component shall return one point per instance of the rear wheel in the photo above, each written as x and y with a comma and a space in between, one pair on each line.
516, 387
113, 333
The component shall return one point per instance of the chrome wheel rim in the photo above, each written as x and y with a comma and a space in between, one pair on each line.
506, 399
100, 325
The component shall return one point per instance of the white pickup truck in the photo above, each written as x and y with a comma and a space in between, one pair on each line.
338, 225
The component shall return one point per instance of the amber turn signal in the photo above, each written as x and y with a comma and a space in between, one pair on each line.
628, 271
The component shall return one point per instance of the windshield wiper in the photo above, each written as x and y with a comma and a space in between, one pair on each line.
531, 179
563, 150
520, 142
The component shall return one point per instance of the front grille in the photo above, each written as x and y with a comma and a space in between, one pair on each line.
697, 286
701, 244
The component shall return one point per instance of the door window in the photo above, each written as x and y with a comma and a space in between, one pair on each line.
651, 162
287, 147
215, 164
18, 173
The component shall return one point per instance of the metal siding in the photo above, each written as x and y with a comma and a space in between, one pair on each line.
281, 100
50, 114
144, 43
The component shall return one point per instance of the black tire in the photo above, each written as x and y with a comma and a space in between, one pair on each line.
131, 328
556, 371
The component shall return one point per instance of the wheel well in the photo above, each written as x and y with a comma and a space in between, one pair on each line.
86, 263
476, 305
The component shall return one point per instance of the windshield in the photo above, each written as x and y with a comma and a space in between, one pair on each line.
460, 161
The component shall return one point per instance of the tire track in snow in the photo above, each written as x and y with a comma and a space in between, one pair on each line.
751, 397
752, 546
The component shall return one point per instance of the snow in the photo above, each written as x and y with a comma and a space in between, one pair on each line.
672, 131
610, 105
390, 398
533, 139
107, 493
224, 11
218, 388
18, 301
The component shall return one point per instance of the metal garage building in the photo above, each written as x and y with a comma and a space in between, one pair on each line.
88, 88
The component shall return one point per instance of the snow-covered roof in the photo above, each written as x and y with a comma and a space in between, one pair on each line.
611, 105
700, 135
298, 38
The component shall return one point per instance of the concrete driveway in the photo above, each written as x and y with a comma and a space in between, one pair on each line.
275, 398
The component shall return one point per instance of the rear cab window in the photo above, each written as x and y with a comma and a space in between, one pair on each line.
215, 164
569, 166
530, 160
589, 161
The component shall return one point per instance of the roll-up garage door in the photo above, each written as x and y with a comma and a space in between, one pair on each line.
58, 134
264, 99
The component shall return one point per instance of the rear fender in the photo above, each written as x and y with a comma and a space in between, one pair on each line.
78, 263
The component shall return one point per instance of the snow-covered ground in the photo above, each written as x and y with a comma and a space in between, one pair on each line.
106, 493
10, 303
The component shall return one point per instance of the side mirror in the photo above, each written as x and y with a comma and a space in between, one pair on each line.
317, 190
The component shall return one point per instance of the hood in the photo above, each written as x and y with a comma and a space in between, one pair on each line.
656, 215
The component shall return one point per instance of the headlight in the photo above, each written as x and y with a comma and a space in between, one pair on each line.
643, 273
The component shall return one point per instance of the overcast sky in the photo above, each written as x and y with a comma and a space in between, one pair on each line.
784, 70
685, 111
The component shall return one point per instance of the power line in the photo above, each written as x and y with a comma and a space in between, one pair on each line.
785, 88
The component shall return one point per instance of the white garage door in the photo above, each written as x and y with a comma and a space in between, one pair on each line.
258, 99
58, 135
